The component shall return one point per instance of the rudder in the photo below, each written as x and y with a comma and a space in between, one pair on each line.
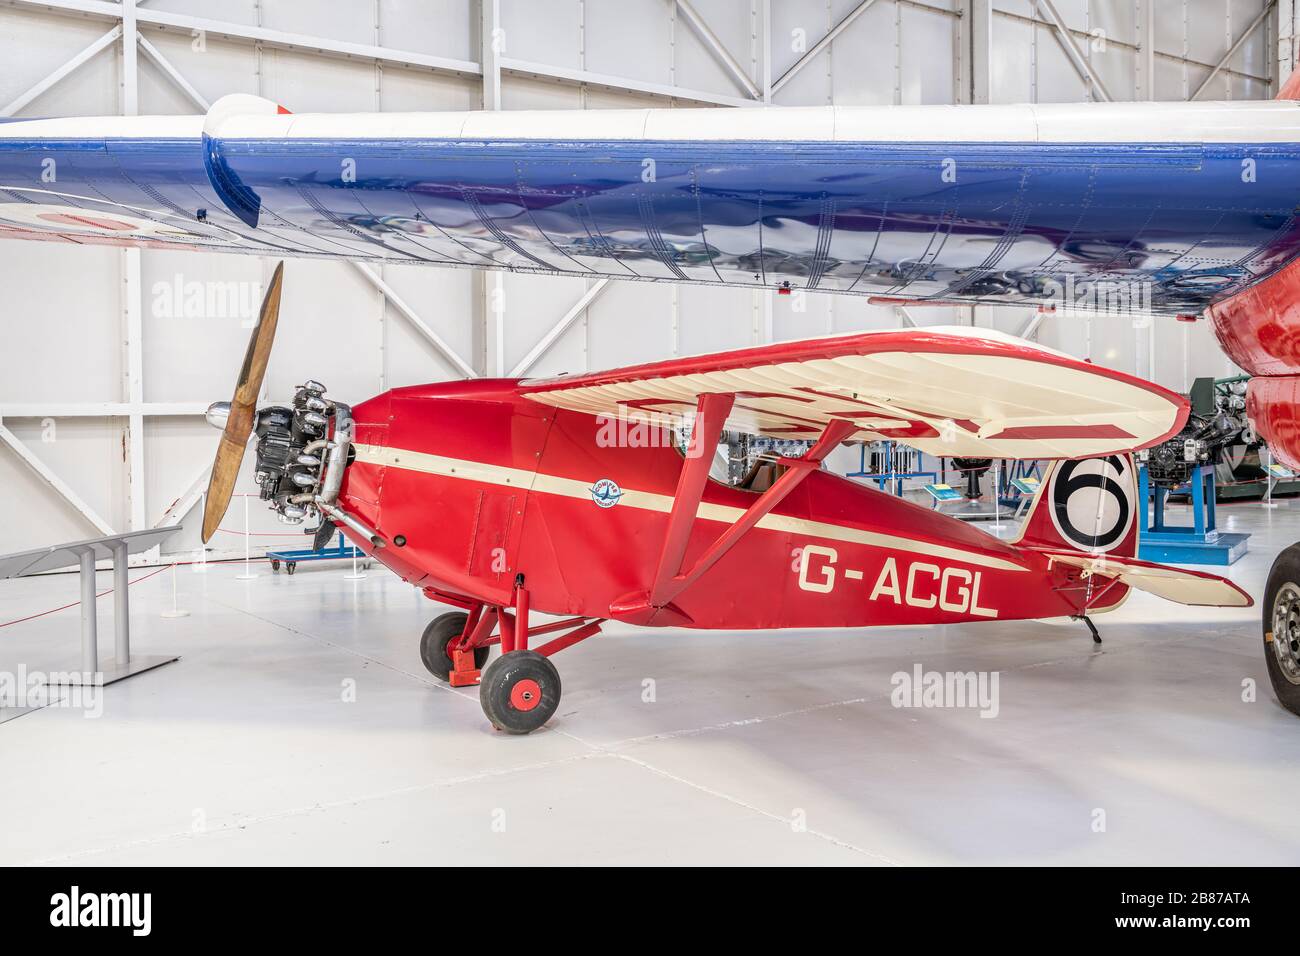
1089, 505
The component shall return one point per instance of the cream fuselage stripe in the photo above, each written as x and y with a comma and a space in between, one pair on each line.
650, 501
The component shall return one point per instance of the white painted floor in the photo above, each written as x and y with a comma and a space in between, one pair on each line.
758, 748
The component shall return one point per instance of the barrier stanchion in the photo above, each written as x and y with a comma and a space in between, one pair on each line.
200, 564
175, 610
1269, 479
356, 574
997, 497
248, 574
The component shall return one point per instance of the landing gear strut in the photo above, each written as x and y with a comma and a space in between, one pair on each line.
520, 690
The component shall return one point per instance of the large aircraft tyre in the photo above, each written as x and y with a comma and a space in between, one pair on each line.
1282, 628
519, 691
441, 632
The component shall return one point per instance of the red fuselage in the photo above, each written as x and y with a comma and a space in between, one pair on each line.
471, 484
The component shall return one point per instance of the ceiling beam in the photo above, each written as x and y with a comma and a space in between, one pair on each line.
183, 505
1232, 50
411, 316
69, 67
165, 20
490, 52
1077, 59
182, 84
559, 328
1032, 323
59, 486
822, 44
547, 71
718, 49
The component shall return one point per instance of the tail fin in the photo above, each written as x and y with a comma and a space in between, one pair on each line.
1088, 505
1090, 508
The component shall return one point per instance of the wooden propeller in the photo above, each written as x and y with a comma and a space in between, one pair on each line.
243, 410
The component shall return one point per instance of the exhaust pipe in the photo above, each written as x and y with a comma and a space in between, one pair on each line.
341, 518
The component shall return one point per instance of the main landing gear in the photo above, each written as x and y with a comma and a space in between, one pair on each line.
520, 690
1282, 628
436, 644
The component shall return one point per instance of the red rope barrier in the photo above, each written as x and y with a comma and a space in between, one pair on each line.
265, 534
55, 610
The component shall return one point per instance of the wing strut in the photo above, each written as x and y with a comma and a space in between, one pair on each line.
711, 411
670, 580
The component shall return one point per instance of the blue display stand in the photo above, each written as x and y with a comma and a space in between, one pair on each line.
292, 558
1202, 543
882, 479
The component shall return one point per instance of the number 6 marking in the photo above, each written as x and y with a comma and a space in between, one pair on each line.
1066, 485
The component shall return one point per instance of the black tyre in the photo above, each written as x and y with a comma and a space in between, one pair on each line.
519, 692
291, 566
442, 630
275, 564
1282, 628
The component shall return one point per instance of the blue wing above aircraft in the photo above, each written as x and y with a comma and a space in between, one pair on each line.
1187, 202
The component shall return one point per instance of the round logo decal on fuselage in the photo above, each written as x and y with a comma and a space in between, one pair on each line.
1093, 502
606, 493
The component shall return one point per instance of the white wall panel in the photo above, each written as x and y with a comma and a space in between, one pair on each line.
87, 454
1030, 65
799, 316
212, 66
43, 50
198, 312
1055, 79
62, 337
331, 329
353, 21
522, 93
437, 27
532, 305
445, 300
864, 59
632, 38
544, 31
405, 88
926, 75
630, 323
318, 84
35, 515
736, 26
713, 319
796, 28
1013, 69
231, 11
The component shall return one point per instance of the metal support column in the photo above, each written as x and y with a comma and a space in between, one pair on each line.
121, 606
119, 547
981, 51
89, 624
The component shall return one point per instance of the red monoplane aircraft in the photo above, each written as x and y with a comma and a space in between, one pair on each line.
579, 497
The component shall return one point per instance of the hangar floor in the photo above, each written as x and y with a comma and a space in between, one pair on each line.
774, 747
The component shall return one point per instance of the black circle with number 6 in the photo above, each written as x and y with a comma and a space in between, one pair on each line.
1067, 484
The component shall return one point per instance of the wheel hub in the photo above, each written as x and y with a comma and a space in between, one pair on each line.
1286, 631
525, 695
